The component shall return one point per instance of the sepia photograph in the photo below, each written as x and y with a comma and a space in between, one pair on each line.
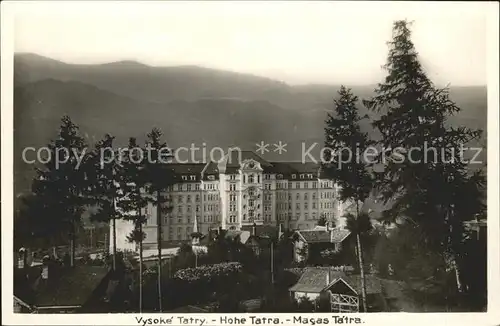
218, 163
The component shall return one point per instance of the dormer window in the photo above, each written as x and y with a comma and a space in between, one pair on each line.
302, 176
211, 177
280, 176
310, 176
192, 177
294, 176
184, 177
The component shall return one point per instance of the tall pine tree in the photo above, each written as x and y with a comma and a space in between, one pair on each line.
159, 177
434, 188
61, 184
132, 202
103, 171
348, 167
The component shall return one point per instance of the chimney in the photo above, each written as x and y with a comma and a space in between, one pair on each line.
254, 229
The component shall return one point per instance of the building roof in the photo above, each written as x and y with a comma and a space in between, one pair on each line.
242, 235
309, 170
317, 279
304, 167
262, 230
69, 287
261, 241
209, 171
212, 170
188, 170
316, 236
235, 159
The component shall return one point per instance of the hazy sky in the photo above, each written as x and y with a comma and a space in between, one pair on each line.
314, 42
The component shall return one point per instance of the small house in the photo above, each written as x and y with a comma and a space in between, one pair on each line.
321, 238
261, 239
53, 288
342, 288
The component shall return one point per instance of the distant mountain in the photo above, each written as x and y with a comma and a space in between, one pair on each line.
164, 84
154, 84
190, 104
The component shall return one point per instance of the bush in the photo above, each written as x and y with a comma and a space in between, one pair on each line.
209, 272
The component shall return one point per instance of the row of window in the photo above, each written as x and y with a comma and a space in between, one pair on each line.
297, 216
192, 186
251, 193
206, 197
210, 218
267, 186
206, 208
268, 177
251, 216
291, 185
251, 205
233, 218
294, 176
284, 206
305, 196
304, 185
288, 206
251, 178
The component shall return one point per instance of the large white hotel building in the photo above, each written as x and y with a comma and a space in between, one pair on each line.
241, 190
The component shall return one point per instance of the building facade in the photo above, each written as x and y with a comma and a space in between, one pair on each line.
241, 190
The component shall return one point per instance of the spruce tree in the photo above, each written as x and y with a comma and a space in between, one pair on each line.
435, 189
61, 184
159, 177
132, 201
102, 171
346, 164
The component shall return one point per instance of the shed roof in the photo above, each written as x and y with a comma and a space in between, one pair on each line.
315, 236
70, 287
314, 279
